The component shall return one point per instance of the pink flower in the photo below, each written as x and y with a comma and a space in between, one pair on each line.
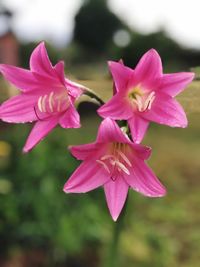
115, 163
47, 97
146, 94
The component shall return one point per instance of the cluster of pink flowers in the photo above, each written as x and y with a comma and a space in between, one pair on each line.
116, 160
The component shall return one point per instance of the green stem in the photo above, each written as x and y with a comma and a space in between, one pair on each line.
94, 95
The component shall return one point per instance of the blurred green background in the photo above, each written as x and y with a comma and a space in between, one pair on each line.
40, 225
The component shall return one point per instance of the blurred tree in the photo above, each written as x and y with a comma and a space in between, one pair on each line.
95, 26
174, 56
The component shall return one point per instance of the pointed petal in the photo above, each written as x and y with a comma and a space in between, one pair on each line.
138, 127
81, 152
39, 61
86, 177
121, 74
149, 67
117, 108
166, 110
39, 132
109, 131
143, 180
21, 78
116, 194
59, 68
70, 119
143, 152
18, 109
173, 84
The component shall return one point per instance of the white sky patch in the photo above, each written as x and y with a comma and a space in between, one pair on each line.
179, 18
54, 19
44, 19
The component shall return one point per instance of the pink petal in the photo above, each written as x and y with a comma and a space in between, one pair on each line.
117, 108
116, 194
39, 132
81, 152
138, 127
59, 68
173, 84
121, 74
166, 110
18, 109
143, 152
74, 88
88, 176
21, 78
39, 61
110, 132
143, 180
149, 67
70, 119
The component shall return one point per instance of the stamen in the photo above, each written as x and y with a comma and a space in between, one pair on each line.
122, 167
117, 161
123, 156
148, 102
51, 101
40, 103
139, 102
107, 157
43, 103
142, 103
103, 164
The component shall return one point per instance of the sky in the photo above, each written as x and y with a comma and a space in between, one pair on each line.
53, 19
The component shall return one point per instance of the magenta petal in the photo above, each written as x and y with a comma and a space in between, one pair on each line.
39, 131
121, 74
143, 180
138, 127
70, 119
74, 88
59, 68
21, 78
166, 110
143, 152
86, 177
116, 194
81, 152
39, 61
149, 67
173, 84
18, 109
117, 108
110, 132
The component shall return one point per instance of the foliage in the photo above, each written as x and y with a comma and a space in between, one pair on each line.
36, 214
95, 25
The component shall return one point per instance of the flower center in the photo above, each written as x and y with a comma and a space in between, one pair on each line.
53, 102
116, 160
141, 99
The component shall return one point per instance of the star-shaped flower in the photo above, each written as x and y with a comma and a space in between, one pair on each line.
115, 163
47, 97
145, 94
